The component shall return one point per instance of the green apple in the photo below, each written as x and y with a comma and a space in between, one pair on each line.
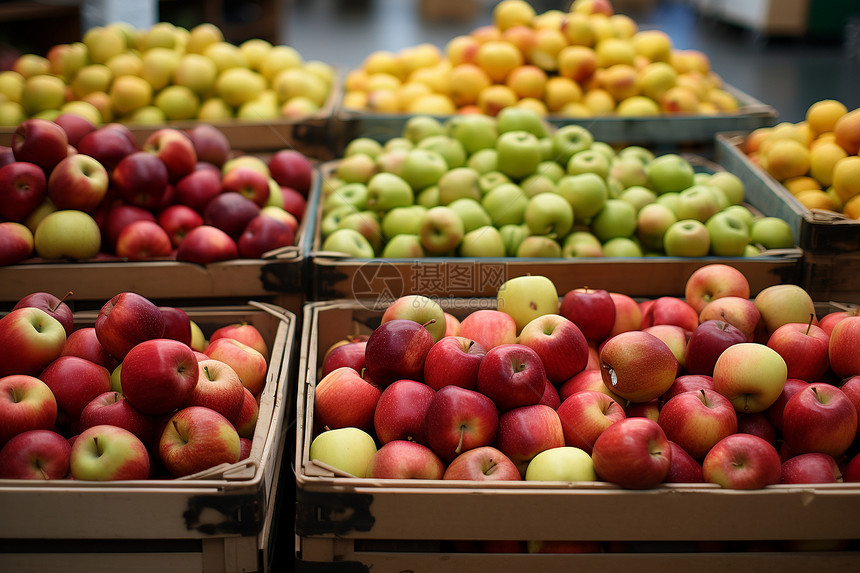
346, 449
617, 218
670, 172
701, 178
147, 115
621, 247
582, 244
214, 109
638, 196
518, 154
353, 195
366, 223
417, 127
568, 140
365, 145
385, 191
551, 169
42, 92
752, 251
484, 241
451, 150
643, 154
527, 297
402, 220
588, 161
331, 219
513, 118
729, 235
697, 202
11, 113
103, 42
539, 247
651, 224
177, 103
67, 234
605, 149
719, 194
91, 78
670, 200
772, 233
512, 236
629, 171
238, 85
391, 160
536, 184
549, 214
350, 242
484, 160
492, 179
159, 65
441, 230
471, 213
505, 203
398, 143
586, 193
358, 168
459, 183
474, 131
741, 213
731, 185
546, 148
422, 168
566, 464
428, 197
404, 246
687, 238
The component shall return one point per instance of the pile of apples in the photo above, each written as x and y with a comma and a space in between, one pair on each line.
514, 186
141, 394
164, 73
72, 190
586, 62
713, 387
815, 159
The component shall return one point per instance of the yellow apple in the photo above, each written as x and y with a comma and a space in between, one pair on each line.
301, 106
548, 44
299, 82
612, 51
419, 56
91, 78
42, 92
225, 55
127, 93
498, 58
432, 104
67, 234
277, 59
103, 43
67, 59
822, 160
494, 98
83, 109
560, 91
178, 102
656, 45
215, 109
384, 61
823, 115
159, 35
509, 13
620, 80
196, 72
11, 85
461, 50
158, 66
125, 64
11, 113
103, 103
29, 65
599, 101
637, 105
239, 85
527, 81
201, 36
146, 115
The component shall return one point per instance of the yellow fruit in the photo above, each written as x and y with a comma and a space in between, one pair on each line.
801, 183
847, 131
509, 13
466, 82
846, 177
785, 158
385, 62
816, 199
822, 115
432, 104
852, 208
822, 159
560, 91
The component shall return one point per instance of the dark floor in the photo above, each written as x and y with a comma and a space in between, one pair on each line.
788, 74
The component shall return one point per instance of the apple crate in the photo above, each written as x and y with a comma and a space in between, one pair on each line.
221, 519
830, 240
350, 524
336, 276
280, 277
695, 132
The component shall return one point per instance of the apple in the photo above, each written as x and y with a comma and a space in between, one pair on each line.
782, 304
84, 343
245, 333
628, 315
245, 421
349, 353
210, 144
637, 366
67, 233
671, 310
559, 343
111, 408
55, 307
729, 235
525, 431
262, 235
564, 463
672, 336
686, 238
291, 168
739, 312
698, 420
453, 360
37, 454
683, 468
819, 418
484, 463
569, 140
742, 461
585, 415
159, 375
670, 173
652, 222
586, 192
231, 212
177, 325
75, 125
219, 388
16, 243
633, 453
750, 375
206, 244
400, 412
592, 310
197, 438
249, 364
126, 320
23, 187
511, 375
397, 349
248, 182
851, 470
141, 179
420, 309
774, 411
707, 342
41, 142
841, 350
348, 450
649, 409
527, 297
549, 214
143, 240
118, 217
686, 383
26, 403
810, 468
804, 348
458, 420
198, 188
344, 399
78, 182
30, 339
175, 149
402, 459
108, 144
108, 453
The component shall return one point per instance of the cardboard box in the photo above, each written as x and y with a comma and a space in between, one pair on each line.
688, 132
335, 277
423, 525
217, 520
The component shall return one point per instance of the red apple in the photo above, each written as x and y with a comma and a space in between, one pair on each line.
739, 312
264, 234
637, 366
245, 421
351, 354
742, 461
453, 360
844, 342
143, 240
804, 347
592, 310
126, 320
159, 375
55, 307
78, 182
248, 182
714, 281
75, 126
41, 142
489, 328
633, 453
686, 383
649, 409
819, 418
485, 463
196, 439
459, 420
829, 320
113, 409
511, 375
251, 366
585, 415
550, 396
75, 382
810, 468
683, 468
707, 342
177, 221
628, 315
231, 212
108, 144
400, 411
698, 420
177, 325
290, 168
219, 388
198, 188
397, 349
35, 455
559, 343
26, 403
757, 424
84, 343
23, 187
245, 333
210, 144
141, 179
526, 431
851, 472
119, 217
206, 244
175, 149
672, 336
587, 380
344, 399
294, 202
402, 459
29, 340
671, 310
775, 410
16, 243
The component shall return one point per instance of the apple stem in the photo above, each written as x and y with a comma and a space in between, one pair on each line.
429, 322
206, 371
809, 326
42, 471
62, 300
96, 443
459, 447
